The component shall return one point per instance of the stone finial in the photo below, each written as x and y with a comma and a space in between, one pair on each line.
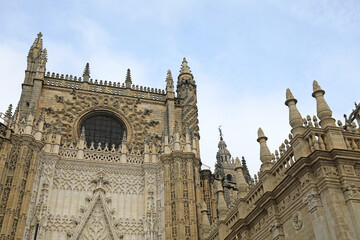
295, 118
36, 47
323, 111
265, 155
169, 82
221, 206
86, 74
82, 134
184, 67
316, 86
205, 224
261, 134
8, 113
241, 184
128, 80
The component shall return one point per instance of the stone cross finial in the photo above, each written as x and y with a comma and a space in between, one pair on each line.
184, 67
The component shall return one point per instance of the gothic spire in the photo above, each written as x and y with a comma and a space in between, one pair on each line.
184, 67
86, 74
128, 81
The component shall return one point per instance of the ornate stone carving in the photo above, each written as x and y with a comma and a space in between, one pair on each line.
348, 170
297, 221
351, 191
72, 109
311, 201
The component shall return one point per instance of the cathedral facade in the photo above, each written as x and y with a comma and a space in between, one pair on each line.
82, 158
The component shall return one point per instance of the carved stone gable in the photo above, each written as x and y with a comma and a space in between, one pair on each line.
97, 222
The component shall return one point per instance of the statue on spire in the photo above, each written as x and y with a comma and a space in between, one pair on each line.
221, 134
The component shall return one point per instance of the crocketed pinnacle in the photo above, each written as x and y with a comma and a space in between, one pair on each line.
36, 47
8, 113
86, 74
184, 67
169, 82
295, 118
265, 155
128, 81
87, 70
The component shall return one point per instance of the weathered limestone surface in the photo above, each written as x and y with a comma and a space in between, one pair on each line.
55, 185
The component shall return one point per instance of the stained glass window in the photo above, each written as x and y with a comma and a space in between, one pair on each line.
104, 128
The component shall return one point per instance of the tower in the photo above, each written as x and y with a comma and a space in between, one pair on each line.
83, 158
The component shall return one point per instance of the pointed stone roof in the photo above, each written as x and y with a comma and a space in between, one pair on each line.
87, 70
184, 67
128, 80
86, 74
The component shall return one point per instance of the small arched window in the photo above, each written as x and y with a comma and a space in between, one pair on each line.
103, 127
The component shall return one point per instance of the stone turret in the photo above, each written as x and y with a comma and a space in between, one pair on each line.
186, 86
186, 93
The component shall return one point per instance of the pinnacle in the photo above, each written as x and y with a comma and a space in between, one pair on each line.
128, 80
9, 111
169, 77
87, 70
260, 133
316, 86
289, 94
184, 67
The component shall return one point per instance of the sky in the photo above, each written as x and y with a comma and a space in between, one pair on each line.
243, 55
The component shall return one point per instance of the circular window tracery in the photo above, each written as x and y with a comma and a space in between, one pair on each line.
103, 127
